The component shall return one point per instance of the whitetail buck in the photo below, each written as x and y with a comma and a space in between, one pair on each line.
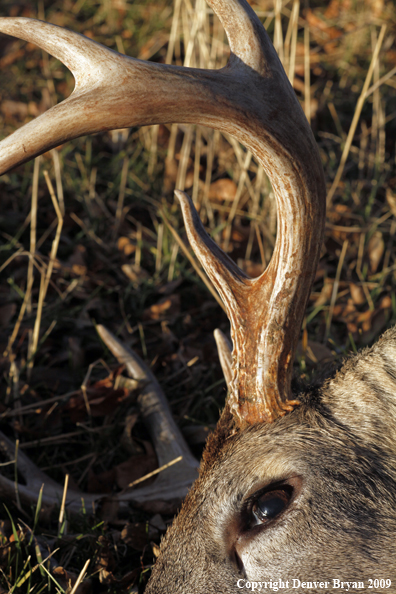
293, 487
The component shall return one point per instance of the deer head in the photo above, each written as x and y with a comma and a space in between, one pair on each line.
293, 487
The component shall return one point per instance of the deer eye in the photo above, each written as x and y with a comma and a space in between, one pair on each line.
270, 504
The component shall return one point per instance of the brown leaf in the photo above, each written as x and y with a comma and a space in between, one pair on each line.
125, 473
156, 549
166, 307
373, 327
345, 312
357, 294
105, 559
333, 10
67, 579
322, 32
134, 273
141, 534
136, 467
126, 582
391, 200
77, 261
375, 249
136, 535
368, 324
102, 396
12, 56
223, 190
315, 352
125, 245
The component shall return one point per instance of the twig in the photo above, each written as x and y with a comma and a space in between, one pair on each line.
154, 472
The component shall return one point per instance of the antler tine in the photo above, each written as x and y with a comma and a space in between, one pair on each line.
171, 485
250, 98
167, 438
240, 23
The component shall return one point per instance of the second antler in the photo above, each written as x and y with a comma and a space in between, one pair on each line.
251, 99
169, 488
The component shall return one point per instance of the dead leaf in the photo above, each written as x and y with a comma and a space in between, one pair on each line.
391, 200
373, 327
166, 307
315, 352
155, 548
125, 473
67, 580
357, 294
139, 535
102, 396
125, 245
322, 32
134, 273
136, 467
14, 109
77, 261
105, 559
223, 190
136, 535
375, 249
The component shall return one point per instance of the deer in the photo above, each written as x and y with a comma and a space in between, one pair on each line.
296, 489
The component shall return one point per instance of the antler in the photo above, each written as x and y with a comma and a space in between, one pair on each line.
250, 98
169, 488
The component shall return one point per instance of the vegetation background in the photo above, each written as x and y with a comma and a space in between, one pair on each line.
113, 251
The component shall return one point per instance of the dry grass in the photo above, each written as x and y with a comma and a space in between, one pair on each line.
91, 233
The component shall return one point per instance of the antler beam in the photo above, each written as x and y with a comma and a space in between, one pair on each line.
250, 98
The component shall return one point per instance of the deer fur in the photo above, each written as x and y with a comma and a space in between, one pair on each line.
339, 451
